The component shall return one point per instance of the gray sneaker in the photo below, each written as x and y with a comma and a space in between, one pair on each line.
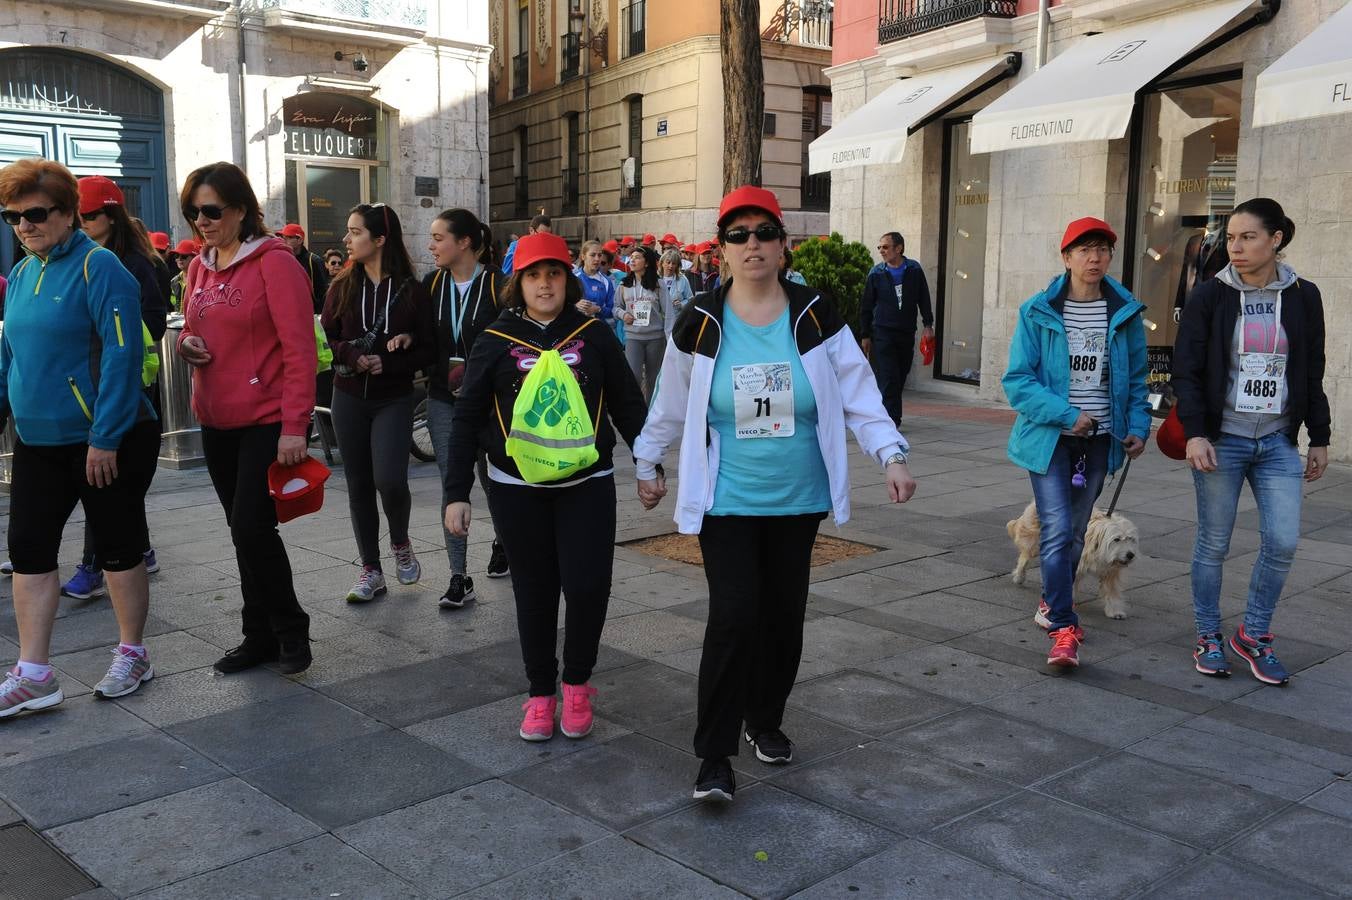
370, 583
18, 693
409, 569
124, 675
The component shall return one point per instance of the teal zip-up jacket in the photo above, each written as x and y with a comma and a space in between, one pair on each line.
1037, 382
70, 358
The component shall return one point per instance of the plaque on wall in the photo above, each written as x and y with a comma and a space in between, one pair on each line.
424, 186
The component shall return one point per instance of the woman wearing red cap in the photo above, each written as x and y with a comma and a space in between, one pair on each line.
560, 535
760, 379
249, 334
1076, 377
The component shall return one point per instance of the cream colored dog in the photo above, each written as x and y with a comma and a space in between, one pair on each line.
1110, 544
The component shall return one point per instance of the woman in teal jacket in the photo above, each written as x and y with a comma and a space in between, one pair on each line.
1076, 377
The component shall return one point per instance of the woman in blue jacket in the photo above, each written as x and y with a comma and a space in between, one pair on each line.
1076, 377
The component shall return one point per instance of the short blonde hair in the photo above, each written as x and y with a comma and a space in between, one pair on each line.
670, 256
28, 176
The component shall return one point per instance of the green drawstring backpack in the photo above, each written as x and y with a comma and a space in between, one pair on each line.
551, 435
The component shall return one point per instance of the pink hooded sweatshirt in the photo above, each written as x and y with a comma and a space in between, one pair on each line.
256, 318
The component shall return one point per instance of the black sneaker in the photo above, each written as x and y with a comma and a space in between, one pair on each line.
245, 656
458, 594
715, 780
771, 746
497, 563
295, 656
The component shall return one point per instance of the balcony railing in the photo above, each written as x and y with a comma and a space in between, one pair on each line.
405, 13
899, 19
520, 74
571, 45
632, 197
570, 192
521, 201
814, 23
816, 191
633, 29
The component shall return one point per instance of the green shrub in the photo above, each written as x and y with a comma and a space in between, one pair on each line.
837, 269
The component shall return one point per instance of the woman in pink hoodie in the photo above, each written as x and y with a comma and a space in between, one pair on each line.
248, 333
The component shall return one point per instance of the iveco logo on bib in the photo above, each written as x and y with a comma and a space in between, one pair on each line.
1122, 52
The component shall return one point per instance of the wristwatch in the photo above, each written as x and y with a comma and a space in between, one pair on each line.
897, 457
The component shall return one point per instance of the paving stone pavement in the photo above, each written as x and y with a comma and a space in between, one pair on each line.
936, 754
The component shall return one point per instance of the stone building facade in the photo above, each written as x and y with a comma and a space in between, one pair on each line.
608, 114
985, 220
325, 103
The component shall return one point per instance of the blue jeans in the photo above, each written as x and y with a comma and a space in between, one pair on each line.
439, 416
1271, 464
1063, 511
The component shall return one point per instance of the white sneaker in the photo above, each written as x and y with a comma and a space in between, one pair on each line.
18, 693
370, 583
125, 675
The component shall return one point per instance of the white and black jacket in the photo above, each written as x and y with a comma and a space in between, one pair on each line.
841, 381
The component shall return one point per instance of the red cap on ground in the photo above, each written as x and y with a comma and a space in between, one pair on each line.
297, 490
187, 248
291, 229
1080, 227
748, 196
159, 240
611, 246
649, 240
96, 192
670, 238
534, 248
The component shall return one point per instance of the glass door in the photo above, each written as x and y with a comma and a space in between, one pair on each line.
327, 192
962, 257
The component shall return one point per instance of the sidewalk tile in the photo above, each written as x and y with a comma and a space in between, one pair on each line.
853, 643
953, 673
802, 842
1219, 877
1088, 712
1336, 799
425, 690
102, 777
78, 722
463, 840
954, 612
165, 840
177, 651
320, 867
1303, 844
1069, 851
650, 633
644, 694
201, 692
813, 738
919, 870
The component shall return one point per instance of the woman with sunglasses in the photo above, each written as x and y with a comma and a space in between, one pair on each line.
248, 333
639, 305
333, 261
107, 222
70, 377
465, 289
761, 378
378, 319
1076, 377
560, 535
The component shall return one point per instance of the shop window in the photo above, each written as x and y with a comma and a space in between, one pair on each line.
816, 189
572, 161
1185, 188
521, 175
962, 263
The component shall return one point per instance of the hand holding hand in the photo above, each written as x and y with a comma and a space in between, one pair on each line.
399, 342
650, 493
1201, 455
370, 365
193, 351
900, 483
457, 518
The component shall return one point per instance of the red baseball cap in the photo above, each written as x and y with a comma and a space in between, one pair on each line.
626, 240
670, 238
297, 490
690, 248
704, 247
748, 196
1080, 227
534, 248
1172, 439
159, 240
96, 192
611, 246
291, 229
187, 248
649, 240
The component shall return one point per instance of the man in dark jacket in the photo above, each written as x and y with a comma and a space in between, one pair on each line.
894, 292
312, 264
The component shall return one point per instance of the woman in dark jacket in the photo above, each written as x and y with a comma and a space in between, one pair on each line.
561, 534
1248, 370
378, 320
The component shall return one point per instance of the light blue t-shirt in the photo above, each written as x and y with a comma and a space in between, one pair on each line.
767, 476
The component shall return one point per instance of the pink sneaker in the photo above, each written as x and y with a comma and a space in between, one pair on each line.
538, 725
576, 720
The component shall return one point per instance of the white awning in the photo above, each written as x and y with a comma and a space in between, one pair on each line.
1087, 92
1313, 78
876, 132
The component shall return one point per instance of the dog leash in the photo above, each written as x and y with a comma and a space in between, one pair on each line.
1120, 482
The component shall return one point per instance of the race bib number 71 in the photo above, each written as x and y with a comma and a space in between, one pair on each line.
762, 400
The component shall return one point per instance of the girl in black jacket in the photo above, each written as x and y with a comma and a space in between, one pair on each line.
561, 534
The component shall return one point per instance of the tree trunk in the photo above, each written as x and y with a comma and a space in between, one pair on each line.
743, 92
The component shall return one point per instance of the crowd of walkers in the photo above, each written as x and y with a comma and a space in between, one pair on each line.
714, 351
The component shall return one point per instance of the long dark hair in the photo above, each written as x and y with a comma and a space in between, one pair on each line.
232, 186
126, 235
512, 298
1273, 217
381, 221
649, 270
462, 223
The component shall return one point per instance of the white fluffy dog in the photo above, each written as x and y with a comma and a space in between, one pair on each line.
1110, 544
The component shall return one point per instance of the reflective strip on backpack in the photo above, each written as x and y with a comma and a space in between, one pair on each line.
552, 443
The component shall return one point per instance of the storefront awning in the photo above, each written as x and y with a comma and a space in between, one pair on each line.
876, 132
1087, 92
1313, 78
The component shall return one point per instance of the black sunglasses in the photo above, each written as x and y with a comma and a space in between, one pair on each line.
211, 211
91, 216
764, 232
36, 215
